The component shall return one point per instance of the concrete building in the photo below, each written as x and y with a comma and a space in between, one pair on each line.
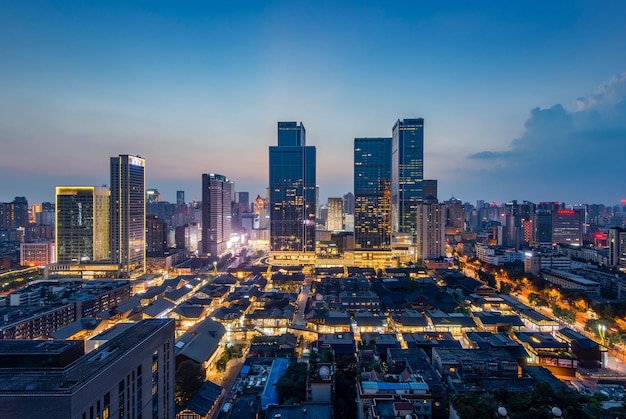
334, 220
217, 194
431, 232
37, 253
130, 376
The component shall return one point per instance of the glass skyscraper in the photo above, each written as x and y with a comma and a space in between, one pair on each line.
407, 174
292, 191
372, 193
217, 193
128, 214
82, 224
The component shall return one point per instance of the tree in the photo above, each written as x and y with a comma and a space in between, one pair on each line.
189, 379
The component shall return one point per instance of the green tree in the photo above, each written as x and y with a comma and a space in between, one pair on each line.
189, 379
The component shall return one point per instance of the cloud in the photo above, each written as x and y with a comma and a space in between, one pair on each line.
571, 153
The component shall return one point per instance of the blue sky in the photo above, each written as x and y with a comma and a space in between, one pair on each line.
521, 100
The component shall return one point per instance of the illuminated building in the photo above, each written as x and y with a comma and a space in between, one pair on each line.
82, 224
128, 214
37, 253
131, 375
542, 226
431, 231
292, 166
156, 235
407, 174
334, 220
217, 192
617, 247
153, 196
567, 226
14, 214
372, 193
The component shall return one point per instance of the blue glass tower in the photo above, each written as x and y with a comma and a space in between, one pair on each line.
372, 193
407, 174
292, 191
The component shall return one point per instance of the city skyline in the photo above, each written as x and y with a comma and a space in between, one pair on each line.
521, 102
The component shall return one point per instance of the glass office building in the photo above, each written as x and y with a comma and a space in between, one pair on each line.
407, 174
292, 191
82, 224
372, 193
217, 193
128, 214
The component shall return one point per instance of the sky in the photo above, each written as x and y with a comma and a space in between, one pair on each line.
520, 100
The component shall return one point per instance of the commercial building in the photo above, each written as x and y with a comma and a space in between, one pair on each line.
292, 203
407, 175
334, 220
82, 224
567, 226
128, 214
130, 376
431, 231
372, 193
617, 247
217, 193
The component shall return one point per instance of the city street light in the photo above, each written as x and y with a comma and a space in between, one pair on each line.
602, 333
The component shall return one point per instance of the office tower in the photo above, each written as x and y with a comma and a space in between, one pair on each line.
407, 174
156, 235
431, 231
292, 191
430, 188
47, 214
372, 193
153, 196
180, 197
542, 226
130, 375
617, 246
243, 200
217, 192
128, 214
455, 214
82, 224
260, 207
334, 220
567, 227
348, 203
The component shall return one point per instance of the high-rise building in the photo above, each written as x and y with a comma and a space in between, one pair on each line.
334, 220
292, 191
130, 375
455, 217
14, 214
180, 197
430, 188
567, 226
217, 193
372, 193
617, 247
542, 226
431, 231
156, 235
261, 210
407, 175
153, 196
128, 214
82, 224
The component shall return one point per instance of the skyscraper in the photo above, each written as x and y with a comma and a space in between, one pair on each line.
292, 191
431, 232
567, 226
407, 174
128, 214
180, 197
372, 193
334, 220
82, 224
217, 193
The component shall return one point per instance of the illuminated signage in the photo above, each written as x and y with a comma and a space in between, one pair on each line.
135, 161
564, 211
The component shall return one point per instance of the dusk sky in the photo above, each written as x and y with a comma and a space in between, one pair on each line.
521, 100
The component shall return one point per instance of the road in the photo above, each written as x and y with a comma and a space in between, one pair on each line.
299, 317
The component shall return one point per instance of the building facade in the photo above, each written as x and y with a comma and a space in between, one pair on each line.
431, 232
334, 219
372, 193
82, 224
217, 193
407, 175
129, 376
128, 214
292, 200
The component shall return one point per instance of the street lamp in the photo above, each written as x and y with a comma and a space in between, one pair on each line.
602, 333
215, 267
